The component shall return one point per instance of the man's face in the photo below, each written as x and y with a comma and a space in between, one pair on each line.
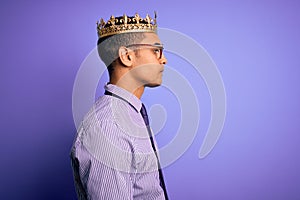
149, 61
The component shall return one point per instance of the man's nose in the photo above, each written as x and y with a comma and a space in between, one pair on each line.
163, 60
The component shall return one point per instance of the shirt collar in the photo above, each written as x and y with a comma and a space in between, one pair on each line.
129, 97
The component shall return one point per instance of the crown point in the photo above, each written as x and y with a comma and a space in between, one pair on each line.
112, 20
125, 19
155, 16
137, 18
148, 19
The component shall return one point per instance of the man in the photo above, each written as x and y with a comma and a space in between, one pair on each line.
114, 155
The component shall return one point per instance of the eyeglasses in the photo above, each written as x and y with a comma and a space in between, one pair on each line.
157, 48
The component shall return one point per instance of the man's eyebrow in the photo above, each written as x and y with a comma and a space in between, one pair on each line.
157, 43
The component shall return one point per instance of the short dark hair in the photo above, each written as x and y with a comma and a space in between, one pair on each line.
108, 47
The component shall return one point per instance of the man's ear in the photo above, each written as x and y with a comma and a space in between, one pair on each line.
125, 56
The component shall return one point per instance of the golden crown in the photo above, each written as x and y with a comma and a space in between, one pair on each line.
125, 24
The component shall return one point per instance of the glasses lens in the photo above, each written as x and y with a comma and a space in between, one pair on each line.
158, 52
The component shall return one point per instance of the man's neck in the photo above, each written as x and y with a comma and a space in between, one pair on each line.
139, 92
135, 90
123, 79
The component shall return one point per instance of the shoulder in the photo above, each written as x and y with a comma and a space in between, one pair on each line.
103, 124
108, 111
100, 111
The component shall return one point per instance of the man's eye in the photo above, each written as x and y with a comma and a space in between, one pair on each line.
156, 50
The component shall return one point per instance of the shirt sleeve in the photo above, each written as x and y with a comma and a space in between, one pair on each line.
102, 163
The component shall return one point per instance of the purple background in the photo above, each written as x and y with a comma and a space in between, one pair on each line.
255, 44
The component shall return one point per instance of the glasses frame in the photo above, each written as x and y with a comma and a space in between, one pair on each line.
156, 46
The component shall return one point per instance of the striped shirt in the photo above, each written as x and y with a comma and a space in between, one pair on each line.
112, 156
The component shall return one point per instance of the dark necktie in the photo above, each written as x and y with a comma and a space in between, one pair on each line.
161, 178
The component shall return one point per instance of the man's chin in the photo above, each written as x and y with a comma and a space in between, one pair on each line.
152, 85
